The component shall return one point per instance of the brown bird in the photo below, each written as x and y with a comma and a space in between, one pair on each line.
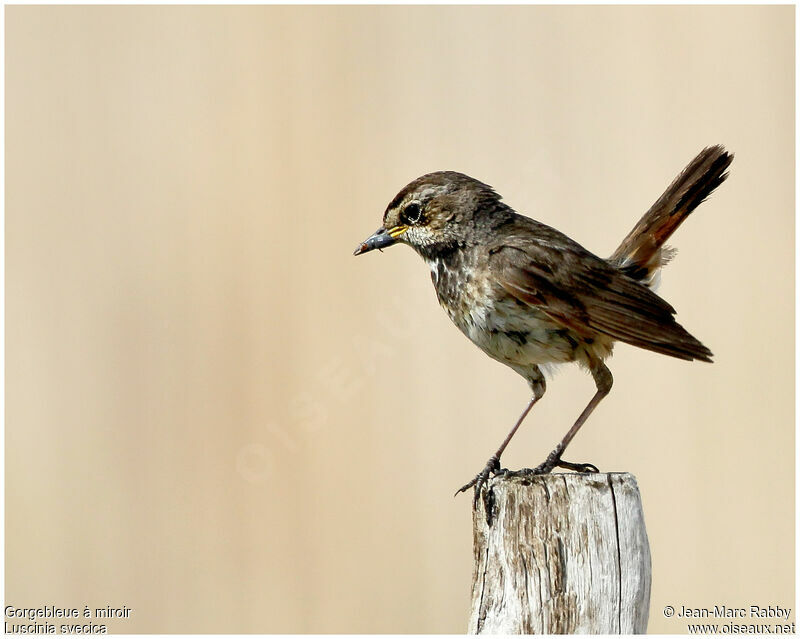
530, 297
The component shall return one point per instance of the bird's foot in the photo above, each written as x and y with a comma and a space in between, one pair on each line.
479, 481
553, 461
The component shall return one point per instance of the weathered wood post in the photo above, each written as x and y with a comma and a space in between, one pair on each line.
561, 554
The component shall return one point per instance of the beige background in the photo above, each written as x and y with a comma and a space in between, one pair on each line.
221, 419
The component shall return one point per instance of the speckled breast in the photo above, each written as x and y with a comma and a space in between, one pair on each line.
505, 328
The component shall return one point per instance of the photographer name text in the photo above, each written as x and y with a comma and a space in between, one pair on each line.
725, 612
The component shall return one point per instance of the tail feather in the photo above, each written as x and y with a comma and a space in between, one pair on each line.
642, 252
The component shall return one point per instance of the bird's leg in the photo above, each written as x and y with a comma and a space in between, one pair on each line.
538, 386
603, 380
493, 465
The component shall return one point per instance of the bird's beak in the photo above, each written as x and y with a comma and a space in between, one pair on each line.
380, 239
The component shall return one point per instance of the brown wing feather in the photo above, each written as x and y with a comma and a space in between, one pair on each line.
585, 293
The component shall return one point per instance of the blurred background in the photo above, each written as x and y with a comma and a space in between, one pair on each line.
220, 418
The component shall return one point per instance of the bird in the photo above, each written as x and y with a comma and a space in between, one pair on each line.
532, 298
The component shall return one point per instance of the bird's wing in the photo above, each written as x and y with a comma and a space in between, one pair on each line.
544, 268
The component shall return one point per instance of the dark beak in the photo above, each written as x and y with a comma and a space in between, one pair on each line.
380, 239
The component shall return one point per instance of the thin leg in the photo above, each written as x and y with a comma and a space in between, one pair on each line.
538, 386
603, 380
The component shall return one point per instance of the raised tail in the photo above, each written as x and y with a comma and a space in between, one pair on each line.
643, 252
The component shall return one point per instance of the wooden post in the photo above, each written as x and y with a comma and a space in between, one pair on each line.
561, 554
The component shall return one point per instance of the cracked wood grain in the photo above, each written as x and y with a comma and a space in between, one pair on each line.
564, 554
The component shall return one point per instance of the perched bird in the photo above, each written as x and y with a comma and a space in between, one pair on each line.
530, 297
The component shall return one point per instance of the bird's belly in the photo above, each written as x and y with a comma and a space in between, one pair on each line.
517, 335
506, 329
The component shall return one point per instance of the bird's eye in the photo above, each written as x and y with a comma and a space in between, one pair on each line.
412, 214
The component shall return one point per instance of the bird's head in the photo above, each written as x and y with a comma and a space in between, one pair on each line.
432, 214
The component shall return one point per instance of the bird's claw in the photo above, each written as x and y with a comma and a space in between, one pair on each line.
493, 468
554, 461
479, 481
578, 468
